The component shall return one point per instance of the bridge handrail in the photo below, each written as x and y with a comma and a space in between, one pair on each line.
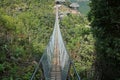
72, 63
36, 69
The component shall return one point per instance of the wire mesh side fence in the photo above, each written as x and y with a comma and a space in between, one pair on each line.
73, 74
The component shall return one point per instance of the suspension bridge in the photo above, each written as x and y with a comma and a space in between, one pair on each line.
55, 61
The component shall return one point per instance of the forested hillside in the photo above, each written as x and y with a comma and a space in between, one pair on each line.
80, 43
25, 29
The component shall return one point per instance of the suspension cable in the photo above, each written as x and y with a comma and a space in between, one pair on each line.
78, 77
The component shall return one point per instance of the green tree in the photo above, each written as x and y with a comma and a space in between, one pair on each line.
25, 28
106, 29
80, 44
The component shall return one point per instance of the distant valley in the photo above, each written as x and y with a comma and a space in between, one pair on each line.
84, 6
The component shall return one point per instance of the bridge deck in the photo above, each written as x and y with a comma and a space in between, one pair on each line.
55, 71
56, 46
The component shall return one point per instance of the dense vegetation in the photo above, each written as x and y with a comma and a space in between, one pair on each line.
105, 19
25, 27
80, 43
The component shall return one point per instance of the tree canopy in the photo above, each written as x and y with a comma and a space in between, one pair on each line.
106, 30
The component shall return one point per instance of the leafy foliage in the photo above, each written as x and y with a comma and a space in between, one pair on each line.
106, 29
25, 28
80, 43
